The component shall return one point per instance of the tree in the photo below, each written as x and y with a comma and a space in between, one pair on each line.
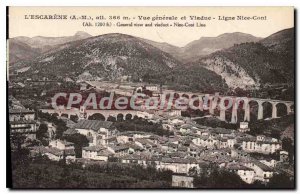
185, 114
17, 139
193, 171
32, 142
79, 141
61, 125
214, 177
19, 154
281, 181
64, 176
41, 133
111, 118
225, 179
287, 145
61, 128
74, 118
139, 124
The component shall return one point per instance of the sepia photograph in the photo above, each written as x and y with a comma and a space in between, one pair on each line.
150, 97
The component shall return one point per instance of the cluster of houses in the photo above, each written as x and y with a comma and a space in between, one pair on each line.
192, 147
21, 119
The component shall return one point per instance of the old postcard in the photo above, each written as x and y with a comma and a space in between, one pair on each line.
151, 97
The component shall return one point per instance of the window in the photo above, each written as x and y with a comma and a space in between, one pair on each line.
182, 184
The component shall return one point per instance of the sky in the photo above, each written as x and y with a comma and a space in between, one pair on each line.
278, 18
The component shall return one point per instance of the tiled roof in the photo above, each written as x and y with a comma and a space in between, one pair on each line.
94, 148
19, 111
221, 131
119, 147
262, 166
176, 160
133, 146
54, 151
202, 163
248, 139
23, 121
70, 152
132, 157
145, 142
104, 152
267, 142
70, 132
92, 124
236, 166
64, 142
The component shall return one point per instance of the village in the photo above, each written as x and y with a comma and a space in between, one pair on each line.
185, 147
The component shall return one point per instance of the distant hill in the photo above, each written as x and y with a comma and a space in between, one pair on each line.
25, 48
253, 65
283, 44
109, 57
175, 51
193, 78
204, 46
224, 63
21, 51
208, 45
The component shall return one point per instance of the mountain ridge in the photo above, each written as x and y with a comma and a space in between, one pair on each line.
253, 65
109, 56
39, 44
204, 45
247, 65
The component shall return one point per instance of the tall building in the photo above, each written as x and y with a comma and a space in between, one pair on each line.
21, 120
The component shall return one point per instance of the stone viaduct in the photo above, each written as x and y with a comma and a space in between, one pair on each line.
208, 102
83, 113
212, 102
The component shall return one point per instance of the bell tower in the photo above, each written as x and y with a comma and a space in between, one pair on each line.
82, 112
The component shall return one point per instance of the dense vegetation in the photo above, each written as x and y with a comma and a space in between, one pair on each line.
258, 61
215, 122
214, 177
108, 56
141, 125
47, 174
189, 78
79, 141
270, 62
281, 181
273, 127
60, 124
40, 172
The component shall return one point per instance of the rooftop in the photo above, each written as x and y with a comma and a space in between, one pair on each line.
92, 124
93, 148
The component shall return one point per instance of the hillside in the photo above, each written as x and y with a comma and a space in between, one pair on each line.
204, 46
255, 65
283, 44
190, 78
46, 43
266, 63
280, 42
208, 45
21, 51
26, 48
248, 65
176, 52
108, 56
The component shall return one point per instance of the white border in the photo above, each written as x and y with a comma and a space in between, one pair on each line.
4, 3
